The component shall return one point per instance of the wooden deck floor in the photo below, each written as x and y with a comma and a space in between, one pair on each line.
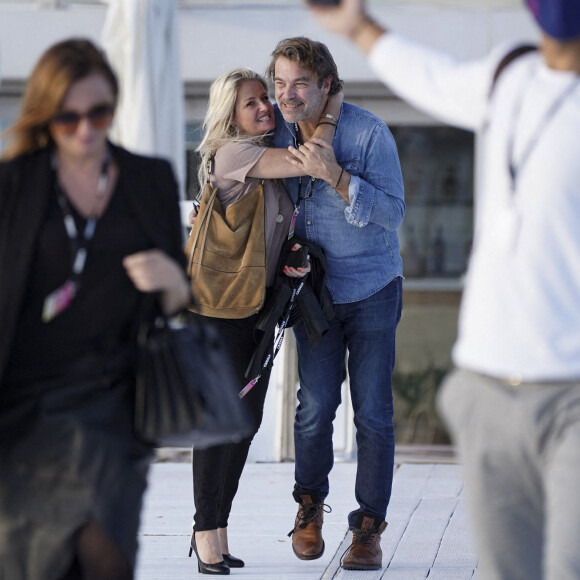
427, 537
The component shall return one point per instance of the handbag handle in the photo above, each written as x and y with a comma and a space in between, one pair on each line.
204, 224
204, 219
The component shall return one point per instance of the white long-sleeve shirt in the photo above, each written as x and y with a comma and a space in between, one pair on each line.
520, 311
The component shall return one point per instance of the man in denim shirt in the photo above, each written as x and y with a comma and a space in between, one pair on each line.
355, 222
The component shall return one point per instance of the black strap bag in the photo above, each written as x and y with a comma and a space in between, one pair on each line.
186, 390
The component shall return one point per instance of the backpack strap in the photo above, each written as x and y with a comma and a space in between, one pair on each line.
507, 60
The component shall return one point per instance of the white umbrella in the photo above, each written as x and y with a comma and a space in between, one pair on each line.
141, 40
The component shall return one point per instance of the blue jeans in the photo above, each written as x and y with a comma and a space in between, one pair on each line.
367, 329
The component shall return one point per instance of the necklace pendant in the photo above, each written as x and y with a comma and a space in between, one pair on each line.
58, 300
293, 223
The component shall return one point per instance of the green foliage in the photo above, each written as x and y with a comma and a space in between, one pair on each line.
416, 419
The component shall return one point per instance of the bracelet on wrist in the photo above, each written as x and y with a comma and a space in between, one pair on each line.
326, 123
339, 177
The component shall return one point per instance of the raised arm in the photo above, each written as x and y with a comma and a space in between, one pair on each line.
274, 163
351, 20
453, 91
326, 127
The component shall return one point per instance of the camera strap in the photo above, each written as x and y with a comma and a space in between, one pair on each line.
277, 342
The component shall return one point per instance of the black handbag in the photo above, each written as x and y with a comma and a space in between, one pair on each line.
186, 390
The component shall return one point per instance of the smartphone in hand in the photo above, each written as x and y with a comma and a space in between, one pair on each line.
297, 258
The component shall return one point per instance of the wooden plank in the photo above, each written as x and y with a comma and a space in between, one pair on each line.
411, 479
444, 481
428, 534
423, 518
418, 574
420, 543
451, 574
333, 570
262, 515
457, 548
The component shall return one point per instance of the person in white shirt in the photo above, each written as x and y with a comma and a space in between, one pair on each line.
513, 402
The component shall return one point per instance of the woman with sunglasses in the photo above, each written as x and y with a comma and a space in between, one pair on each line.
238, 124
86, 230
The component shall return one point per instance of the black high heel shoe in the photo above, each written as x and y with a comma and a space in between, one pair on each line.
232, 561
220, 568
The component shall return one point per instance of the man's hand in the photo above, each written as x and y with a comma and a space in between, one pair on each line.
351, 20
339, 19
316, 158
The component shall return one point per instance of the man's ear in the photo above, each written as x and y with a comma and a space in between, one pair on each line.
326, 85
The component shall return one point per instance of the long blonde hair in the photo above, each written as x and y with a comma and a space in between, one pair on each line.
58, 68
218, 125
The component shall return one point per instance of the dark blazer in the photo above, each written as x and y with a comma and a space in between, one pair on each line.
25, 187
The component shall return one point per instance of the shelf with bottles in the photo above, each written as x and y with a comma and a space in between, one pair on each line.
437, 165
436, 242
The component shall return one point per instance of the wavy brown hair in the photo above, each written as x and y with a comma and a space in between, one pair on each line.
58, 68
310, 55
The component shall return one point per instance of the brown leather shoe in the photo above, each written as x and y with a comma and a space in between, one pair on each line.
307, 541
365, 550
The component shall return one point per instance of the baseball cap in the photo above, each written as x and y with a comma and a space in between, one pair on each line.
559, 19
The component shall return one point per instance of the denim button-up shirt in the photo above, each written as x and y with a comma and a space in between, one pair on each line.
360, 239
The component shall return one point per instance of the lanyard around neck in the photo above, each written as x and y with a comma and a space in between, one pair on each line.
79, 244
61, 298
513, 168
300, 197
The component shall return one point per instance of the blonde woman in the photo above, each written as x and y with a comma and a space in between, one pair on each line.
238, 126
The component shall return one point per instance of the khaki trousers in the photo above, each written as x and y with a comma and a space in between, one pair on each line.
520, 448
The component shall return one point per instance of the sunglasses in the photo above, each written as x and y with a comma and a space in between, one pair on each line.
68, 121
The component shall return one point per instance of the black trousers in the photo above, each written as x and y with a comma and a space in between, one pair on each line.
217, 470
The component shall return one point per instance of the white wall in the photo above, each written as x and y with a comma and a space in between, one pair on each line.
215, 38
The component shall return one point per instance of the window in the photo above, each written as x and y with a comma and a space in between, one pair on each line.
193, 137
437, 165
